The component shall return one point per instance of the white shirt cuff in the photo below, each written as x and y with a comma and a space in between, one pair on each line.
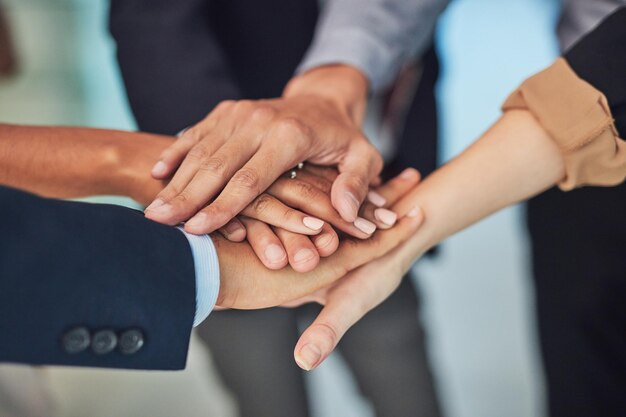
207, 267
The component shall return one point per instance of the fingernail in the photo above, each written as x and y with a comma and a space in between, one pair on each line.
385, 216
156, 203
313, 223
408, 174
323, 240
231, 227
308, 357
274, 253
197, 221
159, 206
376, 199
303, 255
365, 226
352, 203
159, 169
415, 211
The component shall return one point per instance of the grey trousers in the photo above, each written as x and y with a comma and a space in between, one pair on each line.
253, 351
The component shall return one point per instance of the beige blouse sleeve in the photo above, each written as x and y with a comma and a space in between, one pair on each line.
578, 118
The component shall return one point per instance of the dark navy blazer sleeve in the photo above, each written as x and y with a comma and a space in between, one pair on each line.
600, 59
92, 285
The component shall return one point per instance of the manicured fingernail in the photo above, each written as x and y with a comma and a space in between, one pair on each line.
415, 211
365, 226
351, 203
408, 174
159, 169
313, 223
198, 220
385, 216
274, 253
231, 227
308, 357
159, 206
303, 255
376, 199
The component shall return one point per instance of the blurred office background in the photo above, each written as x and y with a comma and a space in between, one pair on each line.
478, 304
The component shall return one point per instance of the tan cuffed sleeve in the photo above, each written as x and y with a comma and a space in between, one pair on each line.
577, 116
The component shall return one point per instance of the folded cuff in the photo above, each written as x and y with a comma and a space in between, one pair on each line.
578, 118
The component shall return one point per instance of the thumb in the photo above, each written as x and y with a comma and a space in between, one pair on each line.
320, 339
361, 165
347, 302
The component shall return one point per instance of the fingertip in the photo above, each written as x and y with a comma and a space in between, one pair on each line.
376, 199
365, 225
386, 217
347, 194
415, 213
275, 257
305, 260
155, 204
308, 356
160, 212
416, 216
346, 205
234, 230
197, 224
160, 170
410, 174
326, 243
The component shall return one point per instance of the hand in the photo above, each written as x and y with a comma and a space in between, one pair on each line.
275, 230
351, 297
247, 284
242, 147
345, 303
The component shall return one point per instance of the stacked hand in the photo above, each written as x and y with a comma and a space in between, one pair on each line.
223, 163
234, 173
357, 274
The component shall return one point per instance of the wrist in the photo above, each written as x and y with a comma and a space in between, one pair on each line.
343, 85
132, 162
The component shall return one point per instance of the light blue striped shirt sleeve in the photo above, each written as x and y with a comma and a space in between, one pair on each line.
376, 36
207, 267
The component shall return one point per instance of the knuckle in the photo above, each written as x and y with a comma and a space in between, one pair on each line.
263, 112
377, 163
289, 214
199, 152
170, 154
183, 197
190, 135
247, 178
306, 190
169, 192
243, 105
262, 203
224, 106
213, 165
292, 126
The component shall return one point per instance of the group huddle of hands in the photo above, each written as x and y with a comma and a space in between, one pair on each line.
326, 230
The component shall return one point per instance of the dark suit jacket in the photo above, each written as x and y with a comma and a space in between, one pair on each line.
93, 267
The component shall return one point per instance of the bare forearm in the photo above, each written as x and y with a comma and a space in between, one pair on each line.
69, 162
511, 162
